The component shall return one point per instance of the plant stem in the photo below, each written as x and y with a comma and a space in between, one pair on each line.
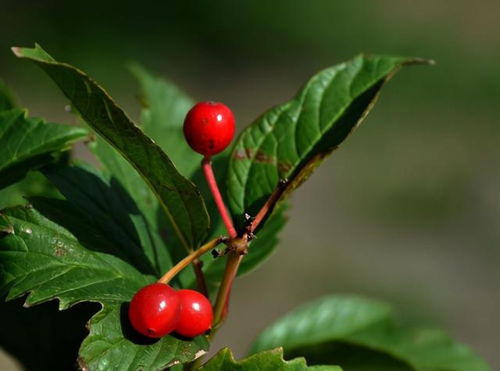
222, 301
201, 284
189, 259
206, 165
237, 249
268, 207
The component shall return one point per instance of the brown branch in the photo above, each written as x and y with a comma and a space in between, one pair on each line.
237, 249
268, 207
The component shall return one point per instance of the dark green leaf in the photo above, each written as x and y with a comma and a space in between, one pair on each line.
360, 334
146, 206
179, 197
162, 117
28, 143
112, 344
290, 140
108, 207
271, 360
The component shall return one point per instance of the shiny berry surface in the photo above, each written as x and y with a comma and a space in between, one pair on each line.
154, 310
209, 127
196, 314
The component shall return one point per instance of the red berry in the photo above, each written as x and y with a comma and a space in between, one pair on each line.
196, 314
209, 127
154, 310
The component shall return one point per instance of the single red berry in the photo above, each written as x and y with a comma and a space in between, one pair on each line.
154, 310
196, 314
209, 127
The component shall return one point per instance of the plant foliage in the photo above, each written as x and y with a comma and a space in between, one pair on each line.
98, 234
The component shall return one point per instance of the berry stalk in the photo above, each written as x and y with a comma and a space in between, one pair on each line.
208, 172
189, 259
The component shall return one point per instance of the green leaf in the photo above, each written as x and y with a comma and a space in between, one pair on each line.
34, 184
361, 334
47, 261
162, 118
107, 206
179, 197
112, 344
163, 122
271, 360
146, 208
290, 140
6, 99
28, 143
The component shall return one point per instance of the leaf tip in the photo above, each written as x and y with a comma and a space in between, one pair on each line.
418, 60
17, 50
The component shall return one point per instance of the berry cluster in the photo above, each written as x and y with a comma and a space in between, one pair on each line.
157, 310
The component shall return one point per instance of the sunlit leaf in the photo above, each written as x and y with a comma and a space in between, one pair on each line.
290, 140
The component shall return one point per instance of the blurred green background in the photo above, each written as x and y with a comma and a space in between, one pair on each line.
407, 210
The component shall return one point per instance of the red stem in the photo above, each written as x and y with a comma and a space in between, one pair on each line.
206, 165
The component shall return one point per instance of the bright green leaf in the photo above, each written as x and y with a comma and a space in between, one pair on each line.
111, 344
179, 197
45, 260
307, 324
290, 140
162, 116
271, 360
33, 184
360, 334
28, 143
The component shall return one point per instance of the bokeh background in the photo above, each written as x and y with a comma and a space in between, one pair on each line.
406, 211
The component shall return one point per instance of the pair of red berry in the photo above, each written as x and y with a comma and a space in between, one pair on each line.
157, 310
